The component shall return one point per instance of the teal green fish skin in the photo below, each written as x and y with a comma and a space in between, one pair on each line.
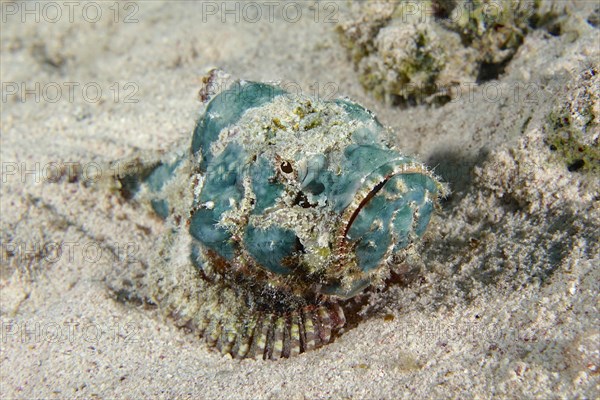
156, 180
222, 185
225, 110
264, 185
271, 246
396, 211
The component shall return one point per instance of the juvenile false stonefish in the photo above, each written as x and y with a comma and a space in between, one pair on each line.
283, 208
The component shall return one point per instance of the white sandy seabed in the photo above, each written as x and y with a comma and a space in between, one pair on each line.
505, 304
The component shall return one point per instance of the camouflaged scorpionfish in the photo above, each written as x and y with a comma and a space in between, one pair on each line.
283, 207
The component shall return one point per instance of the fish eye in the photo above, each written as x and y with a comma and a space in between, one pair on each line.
286, 167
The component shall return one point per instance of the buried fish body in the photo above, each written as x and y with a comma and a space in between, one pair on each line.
283, 207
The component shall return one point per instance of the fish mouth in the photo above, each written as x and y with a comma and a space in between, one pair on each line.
370, 194
381, 218
383, 181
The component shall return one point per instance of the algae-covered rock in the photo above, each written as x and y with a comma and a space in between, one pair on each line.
415, 63
573, 129
411, 52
